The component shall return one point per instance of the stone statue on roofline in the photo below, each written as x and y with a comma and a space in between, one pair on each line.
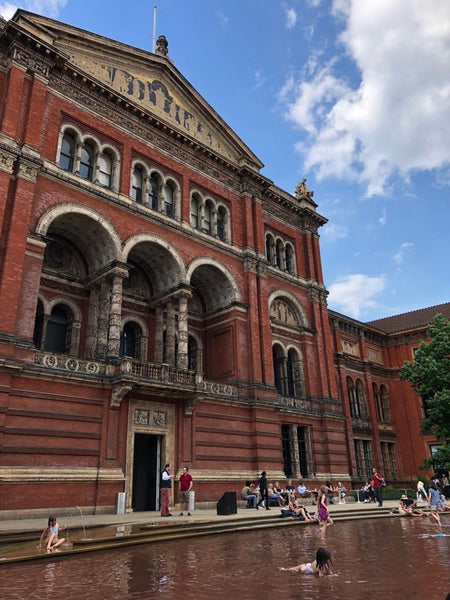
301, 191
162, 46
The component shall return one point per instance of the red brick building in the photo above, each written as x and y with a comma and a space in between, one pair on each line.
163, 301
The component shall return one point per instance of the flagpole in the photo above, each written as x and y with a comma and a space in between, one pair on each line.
154, 30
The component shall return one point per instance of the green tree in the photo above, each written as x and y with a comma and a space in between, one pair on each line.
429, 376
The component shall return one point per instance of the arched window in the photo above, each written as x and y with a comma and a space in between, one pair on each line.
105, 170
221, 223
194, 212
130, 340
376, 397
385, 407
278, 369
57, 331
289, 258
38, 325
279, 250
67, 154
87, 162
290, 374
168, 200
192, 354
352, 398
360, 400
136, 185
153, 192
294, 374
207, 218
270, 249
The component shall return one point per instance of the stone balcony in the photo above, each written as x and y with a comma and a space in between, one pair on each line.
126, 374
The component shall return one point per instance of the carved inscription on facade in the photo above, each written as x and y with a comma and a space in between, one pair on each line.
154, 95
350, 347
374, 355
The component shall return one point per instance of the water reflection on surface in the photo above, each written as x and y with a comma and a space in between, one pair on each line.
384, 558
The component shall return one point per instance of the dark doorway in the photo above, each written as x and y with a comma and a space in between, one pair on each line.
146, 468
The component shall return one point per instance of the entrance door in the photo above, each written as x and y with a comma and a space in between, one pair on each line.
146, 469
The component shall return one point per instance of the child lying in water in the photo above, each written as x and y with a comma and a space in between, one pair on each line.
321, 566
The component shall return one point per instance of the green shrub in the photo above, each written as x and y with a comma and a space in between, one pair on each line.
391, 493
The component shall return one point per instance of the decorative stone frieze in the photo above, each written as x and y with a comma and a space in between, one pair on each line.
30, 61
62, 362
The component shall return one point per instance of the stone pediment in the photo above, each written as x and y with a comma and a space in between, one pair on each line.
147, 80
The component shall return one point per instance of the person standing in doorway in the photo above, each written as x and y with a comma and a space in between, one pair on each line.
186, 484
377, 480
165, 486
263, 488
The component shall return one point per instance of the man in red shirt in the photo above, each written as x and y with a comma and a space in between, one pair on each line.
377, 478
185, 487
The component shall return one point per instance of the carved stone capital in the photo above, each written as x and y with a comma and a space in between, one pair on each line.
27, 170
323, 298
262, 269
250, 264
314, 295
6, 161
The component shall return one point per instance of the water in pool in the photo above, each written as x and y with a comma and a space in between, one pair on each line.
381, 558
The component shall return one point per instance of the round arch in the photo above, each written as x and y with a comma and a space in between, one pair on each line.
88, 229
214, 282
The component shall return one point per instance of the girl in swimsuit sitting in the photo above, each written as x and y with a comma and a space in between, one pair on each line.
51, 533
321, 566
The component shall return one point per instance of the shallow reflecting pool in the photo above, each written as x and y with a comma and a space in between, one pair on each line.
381, 558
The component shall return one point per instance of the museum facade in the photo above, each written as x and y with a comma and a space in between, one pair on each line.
163, 301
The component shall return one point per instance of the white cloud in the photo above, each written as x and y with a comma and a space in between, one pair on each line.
332, 232
291, 17
352, 294
383, 217
49, 8
396, 120
403, 251
223, 19
260, 79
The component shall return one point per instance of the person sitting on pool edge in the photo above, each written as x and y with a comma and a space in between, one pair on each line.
51, 531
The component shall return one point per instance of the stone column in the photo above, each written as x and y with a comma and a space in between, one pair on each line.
92, 323
77, 158
295, 456
182, 355
159, 334
103, 318
170, 334
74, 339
214, 222
115, 315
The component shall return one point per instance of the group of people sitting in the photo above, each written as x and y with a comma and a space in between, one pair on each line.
407, 506
288, 498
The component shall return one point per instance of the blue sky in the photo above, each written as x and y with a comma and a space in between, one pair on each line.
354, 95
